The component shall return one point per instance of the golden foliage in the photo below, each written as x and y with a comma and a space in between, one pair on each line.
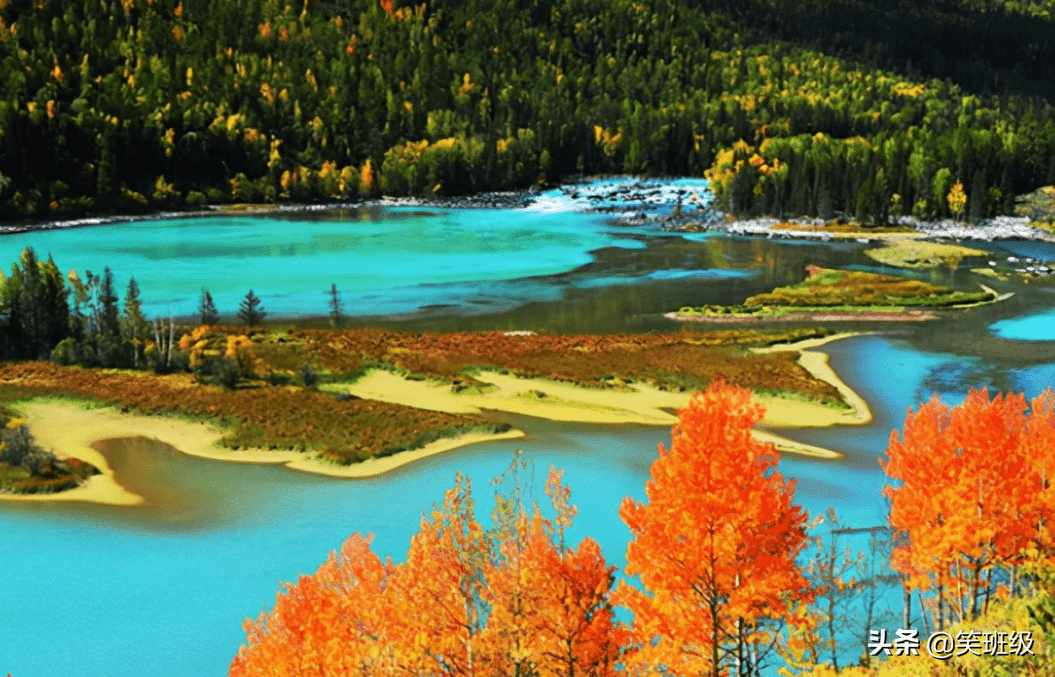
909, 91
957, 199
267, 93
366, 176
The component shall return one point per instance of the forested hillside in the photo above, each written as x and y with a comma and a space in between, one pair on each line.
130, 105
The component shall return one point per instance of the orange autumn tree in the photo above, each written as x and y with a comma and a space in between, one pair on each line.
714, 545
333, 622
512, 600
972, 496
440, 591
469, 601
1038, 446
550, 614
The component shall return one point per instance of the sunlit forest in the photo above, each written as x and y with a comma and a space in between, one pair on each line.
868, 110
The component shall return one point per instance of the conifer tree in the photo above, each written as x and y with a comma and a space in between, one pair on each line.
108, 321
250, 312
336, 308
207, 309
135, 325
34, 308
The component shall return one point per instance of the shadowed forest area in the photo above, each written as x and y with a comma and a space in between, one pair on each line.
868, 110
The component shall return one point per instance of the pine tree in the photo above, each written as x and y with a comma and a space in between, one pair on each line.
34, 308
136, 326
336, 308
250, 312
207, 309
108, 322
55, 303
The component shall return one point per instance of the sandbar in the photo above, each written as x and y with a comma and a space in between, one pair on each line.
640, 403
819, 365
380, 465
69, 429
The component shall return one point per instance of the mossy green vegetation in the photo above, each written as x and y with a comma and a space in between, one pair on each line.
833, 288
842, 291
135, 105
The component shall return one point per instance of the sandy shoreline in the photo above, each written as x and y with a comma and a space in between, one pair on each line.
69, 428
643, 404
379, 466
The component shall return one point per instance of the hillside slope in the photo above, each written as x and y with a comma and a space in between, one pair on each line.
128, 105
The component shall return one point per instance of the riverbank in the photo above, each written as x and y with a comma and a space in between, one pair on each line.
815, 315
996, 228
909, 243
490, 200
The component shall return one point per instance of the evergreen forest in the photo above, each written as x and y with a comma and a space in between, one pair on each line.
790, 107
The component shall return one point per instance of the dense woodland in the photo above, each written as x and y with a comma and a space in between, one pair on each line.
793, 107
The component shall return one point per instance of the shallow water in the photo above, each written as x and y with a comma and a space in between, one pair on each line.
1038, 327
161, 590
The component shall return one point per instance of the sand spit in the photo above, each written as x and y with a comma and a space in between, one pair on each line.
640, 403
69, 429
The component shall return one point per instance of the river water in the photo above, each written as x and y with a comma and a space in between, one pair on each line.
161, 590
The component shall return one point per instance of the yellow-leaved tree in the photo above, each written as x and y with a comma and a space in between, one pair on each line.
957, 200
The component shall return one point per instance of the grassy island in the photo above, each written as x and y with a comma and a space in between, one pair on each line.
843, 295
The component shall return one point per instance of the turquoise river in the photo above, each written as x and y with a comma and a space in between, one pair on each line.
161, 590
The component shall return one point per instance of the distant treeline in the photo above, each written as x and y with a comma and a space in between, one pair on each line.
128, 105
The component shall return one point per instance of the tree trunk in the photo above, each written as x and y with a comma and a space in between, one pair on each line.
941, 603
172, 331
906, 617
715, 672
